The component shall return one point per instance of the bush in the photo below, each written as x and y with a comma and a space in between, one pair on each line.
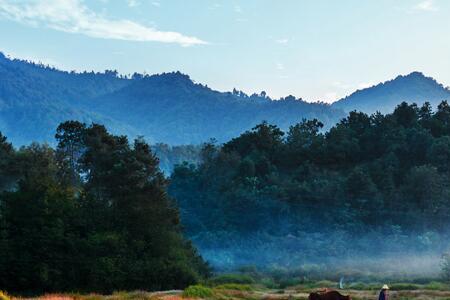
321, 284
445, 265
358, 286
269, 283
287, 282
438, 286
198, 291
232, 278
124, 295
405, 286
234, 286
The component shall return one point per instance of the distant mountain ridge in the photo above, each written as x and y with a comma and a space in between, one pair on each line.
34, 99
383, 97
167, 108
170, 107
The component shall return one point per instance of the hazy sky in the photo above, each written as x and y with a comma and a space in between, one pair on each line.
317, 50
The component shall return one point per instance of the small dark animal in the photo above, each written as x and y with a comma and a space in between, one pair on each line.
332, 295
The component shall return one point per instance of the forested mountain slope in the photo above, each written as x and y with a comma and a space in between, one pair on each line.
414, 87
167, 108
371, 186
170, 108
34, 99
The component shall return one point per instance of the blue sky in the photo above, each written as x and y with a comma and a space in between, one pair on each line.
317, 50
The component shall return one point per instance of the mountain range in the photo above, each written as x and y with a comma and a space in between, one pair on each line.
385, 96
170, 107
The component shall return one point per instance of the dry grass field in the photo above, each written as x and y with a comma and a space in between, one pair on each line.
255, 293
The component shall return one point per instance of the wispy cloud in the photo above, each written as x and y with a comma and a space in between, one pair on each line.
238, 9
340, 85
282, 41
74, 17
329, 97
156, 3
215, 6
339, 89
350, 87
365, 85
426, 5
133, 3
279, 66
241, 20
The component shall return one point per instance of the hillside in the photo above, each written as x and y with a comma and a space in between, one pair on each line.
172, 108
34, 99
168, 108
383, 97
378, 183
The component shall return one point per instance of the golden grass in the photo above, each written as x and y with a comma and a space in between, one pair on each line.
254, 294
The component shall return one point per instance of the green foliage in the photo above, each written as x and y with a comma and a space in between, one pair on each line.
234, 286
231, 279
446, 266
437, 286
35, 98
8, 172
171, 156
293, 197
404, 286
198, 291
92, 215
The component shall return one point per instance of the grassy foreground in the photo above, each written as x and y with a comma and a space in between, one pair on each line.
235, 291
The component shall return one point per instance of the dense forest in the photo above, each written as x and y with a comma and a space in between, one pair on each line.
170, 156
91, 215
164, 108
372, 186
97, 214
171, 108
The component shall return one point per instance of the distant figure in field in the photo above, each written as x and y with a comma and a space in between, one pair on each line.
384, 293
331, 295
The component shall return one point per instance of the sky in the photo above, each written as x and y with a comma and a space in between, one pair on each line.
318, 50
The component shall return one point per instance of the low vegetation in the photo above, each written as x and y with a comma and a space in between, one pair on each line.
198, 291
258, 291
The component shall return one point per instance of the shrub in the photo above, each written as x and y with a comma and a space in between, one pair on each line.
438, 286
198, 291
445, 265
269, 283
232, 278
321, 284
405, 286
234, 286
287, 282
358, 286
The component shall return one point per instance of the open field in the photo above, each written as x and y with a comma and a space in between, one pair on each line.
255, 292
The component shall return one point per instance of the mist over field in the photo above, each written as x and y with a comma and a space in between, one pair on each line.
401, 265
368, 197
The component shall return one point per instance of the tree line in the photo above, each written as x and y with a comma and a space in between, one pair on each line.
97, 214
372, 184
91, 215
